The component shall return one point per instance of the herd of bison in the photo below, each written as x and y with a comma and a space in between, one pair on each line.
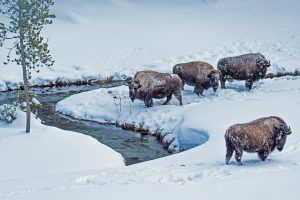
262, 135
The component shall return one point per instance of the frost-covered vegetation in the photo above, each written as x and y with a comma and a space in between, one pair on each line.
8, 113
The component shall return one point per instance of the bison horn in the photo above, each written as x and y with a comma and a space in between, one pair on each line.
129, 80
288, 130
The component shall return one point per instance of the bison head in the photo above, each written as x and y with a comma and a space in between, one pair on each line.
133, 85
262, 65
214, 77
281, 133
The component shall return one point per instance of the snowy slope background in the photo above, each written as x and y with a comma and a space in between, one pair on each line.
119, 37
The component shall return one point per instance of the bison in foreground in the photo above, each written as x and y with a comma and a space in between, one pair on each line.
199, 74
249, 67
261, 136
147, 85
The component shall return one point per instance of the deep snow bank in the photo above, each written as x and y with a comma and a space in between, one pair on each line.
48, 150
171, 119
113, 105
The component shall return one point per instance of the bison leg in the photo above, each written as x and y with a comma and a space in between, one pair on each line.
229, 153
249, 84
182, 86
222, 80
238, 155
169, 97
148, 101
198, 90
263, 155
178, 96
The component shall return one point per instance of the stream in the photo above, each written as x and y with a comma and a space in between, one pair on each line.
134, 147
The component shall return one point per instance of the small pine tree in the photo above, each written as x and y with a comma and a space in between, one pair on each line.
24, 21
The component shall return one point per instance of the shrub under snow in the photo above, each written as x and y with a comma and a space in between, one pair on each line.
8, 113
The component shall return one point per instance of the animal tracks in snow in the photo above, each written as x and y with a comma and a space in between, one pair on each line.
180, 174
165, 175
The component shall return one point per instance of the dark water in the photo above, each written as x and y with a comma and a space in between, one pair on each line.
133, 147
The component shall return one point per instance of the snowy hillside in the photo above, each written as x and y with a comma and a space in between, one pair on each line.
115, 38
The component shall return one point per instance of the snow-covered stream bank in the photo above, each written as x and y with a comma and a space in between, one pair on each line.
282, 60
100, 105
132, 146
48, 150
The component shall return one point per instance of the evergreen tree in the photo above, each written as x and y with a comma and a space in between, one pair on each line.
23, 21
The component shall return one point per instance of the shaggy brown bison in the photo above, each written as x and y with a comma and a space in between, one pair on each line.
199, 74
249, 67
261, 136
149, 84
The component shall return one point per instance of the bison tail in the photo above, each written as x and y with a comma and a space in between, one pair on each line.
227, 140
229, 147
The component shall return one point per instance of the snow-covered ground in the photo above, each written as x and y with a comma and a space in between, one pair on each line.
98, 39
48, 150
198, 172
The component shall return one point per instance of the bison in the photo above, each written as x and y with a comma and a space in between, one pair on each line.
249, 67
137, 81
147, 85
261, 135
199, 74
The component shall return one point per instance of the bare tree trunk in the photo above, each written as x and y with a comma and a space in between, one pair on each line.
25, 76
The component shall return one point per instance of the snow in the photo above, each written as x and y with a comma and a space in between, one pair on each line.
48, 150
109, 38
35, 101
99, 105
200, 171
120, 37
